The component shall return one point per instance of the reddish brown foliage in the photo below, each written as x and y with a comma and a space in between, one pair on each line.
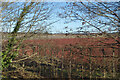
72, 48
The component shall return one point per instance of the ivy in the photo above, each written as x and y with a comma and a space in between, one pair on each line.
9, 53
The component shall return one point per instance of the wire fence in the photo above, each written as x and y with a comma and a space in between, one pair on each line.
85, 62
73, 61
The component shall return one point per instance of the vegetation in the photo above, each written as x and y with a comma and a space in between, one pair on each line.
60, 58
102, 16
21, 20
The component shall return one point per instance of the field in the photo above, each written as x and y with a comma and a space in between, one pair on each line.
66, 57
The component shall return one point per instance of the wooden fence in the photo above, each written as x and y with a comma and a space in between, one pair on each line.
82, 62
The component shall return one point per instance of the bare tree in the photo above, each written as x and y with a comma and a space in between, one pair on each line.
23, 17
101, 17
97, 16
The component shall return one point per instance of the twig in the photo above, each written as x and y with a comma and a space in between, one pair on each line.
24, 58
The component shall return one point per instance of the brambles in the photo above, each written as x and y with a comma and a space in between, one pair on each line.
67, 59
87, 55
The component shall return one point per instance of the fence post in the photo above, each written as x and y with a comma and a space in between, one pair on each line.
114, 72
82, 63
90, 62
104, 63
